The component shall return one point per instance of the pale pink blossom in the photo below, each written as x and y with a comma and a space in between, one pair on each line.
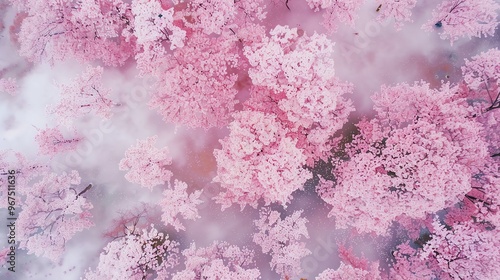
282, 239
136, 256
85, 30
460, 18
257, 161
348, 272
465, 251
335, 11
295, 78
9, 85
428, 148
196, 83
53, 211
147, 165
482, 76
51, 141
83, 96
176, 203
220, 260
399, 10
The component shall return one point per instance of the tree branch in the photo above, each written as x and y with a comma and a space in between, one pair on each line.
85, 190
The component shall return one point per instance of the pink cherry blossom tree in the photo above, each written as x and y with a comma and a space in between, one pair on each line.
85, 95
51, 141
464, 251
482, 76
147, 165
275, 60
451, 247
248, 11
23, 172
132, 220
213, 17
424, 165
294, 75
257, 161
408, 264
156, 30
196, 83
85, 30
482, 88
343, 11
26, 170
347, 272
209, 16
491, 132
399, 10
154, 26
177, 202
137, 255
218, 261
281, 238
393, 162
53, 211
247, 34
460, 18
480, 205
